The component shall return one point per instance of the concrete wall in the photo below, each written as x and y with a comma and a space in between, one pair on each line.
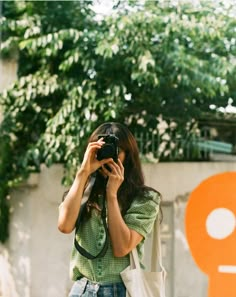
8, 70
8, 74
35, 261
39, 254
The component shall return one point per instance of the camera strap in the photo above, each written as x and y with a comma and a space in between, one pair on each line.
79, 248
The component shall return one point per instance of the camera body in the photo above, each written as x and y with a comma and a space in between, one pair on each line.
109, 148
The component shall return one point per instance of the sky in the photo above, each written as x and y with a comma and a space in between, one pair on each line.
104, 7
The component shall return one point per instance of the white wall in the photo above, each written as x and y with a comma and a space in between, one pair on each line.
36, 257
39, 252
8, 70
178, 178
8, 74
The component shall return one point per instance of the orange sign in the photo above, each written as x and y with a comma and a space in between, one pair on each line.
210, 223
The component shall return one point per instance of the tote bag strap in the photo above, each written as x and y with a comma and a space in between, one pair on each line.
134, 259
156, 248
156, 257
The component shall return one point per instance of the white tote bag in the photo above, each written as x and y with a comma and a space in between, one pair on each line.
141, 283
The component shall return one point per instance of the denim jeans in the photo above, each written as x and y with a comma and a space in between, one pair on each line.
112, 290
85, 288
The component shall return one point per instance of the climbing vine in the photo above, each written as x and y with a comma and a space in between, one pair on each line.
155, 63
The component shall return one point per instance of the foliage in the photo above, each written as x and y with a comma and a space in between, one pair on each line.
34, 32
155, 67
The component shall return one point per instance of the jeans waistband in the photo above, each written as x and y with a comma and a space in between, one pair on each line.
83, 278
85, 287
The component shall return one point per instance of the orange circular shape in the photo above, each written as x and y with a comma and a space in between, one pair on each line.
210, 223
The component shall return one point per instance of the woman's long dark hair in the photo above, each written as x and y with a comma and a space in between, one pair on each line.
133, 185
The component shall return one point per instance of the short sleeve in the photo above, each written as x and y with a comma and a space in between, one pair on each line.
142, 213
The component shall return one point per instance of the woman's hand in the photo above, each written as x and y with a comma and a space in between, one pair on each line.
90, 163
123, 239
115, 177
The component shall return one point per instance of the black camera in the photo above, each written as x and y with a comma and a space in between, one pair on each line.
109, 149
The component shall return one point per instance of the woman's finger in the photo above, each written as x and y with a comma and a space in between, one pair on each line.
95, 144
93, 147
115, 169
118, 167
121, 166
105, 161
101, 140
106, 171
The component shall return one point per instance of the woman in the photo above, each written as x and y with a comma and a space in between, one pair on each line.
131, 210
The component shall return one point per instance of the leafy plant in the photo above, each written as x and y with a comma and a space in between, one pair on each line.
143, 65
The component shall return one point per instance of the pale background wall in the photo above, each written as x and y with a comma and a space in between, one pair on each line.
8, 70
8, 73
40, 253
36, 257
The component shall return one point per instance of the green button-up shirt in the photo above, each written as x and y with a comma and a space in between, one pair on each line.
140, 217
